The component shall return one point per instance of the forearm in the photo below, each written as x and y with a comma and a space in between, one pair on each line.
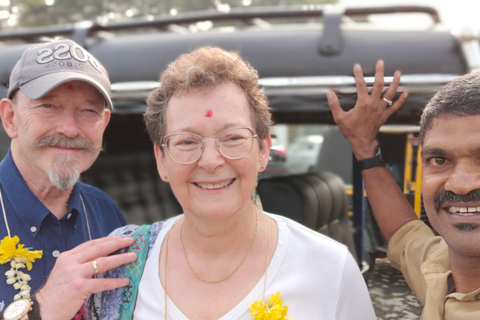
360, 125
389, 205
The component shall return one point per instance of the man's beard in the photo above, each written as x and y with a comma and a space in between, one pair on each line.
64, 172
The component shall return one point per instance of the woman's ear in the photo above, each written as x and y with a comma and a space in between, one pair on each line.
264, 153
162, 171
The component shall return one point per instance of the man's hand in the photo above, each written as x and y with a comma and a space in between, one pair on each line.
361, 124
72, 278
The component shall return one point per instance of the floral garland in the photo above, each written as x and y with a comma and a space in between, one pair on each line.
273, 310
19, 257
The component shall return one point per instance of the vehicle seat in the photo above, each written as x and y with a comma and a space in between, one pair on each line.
291, 196
339, 221
132, 181
324, 198
316, 200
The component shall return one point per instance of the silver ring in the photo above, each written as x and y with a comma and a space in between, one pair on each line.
390, 102
95, 267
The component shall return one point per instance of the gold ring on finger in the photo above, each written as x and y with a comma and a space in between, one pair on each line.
95, 267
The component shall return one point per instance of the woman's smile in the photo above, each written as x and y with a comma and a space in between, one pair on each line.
215, 185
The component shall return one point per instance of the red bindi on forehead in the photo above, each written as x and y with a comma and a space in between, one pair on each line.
70, 86
209, 114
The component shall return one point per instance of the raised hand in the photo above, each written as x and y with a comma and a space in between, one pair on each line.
361, 124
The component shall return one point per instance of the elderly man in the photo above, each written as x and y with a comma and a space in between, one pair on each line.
442, 270
57, 109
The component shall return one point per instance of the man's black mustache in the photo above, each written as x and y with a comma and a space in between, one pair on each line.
448, 196
65, 142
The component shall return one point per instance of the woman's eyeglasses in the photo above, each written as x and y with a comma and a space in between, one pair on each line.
186, 148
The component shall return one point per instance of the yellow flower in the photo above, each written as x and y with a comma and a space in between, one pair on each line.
9, 251
8, 248
273, 310
19, 257
30, 256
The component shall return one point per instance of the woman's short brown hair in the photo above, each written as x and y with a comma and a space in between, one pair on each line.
206, 67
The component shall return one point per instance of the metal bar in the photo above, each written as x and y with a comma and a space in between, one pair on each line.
306, 85
432, 12
331, 81
416, 79
408, 184
242, 14
417, 204
358, 211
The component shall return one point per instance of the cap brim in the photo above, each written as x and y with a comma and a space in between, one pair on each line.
40, 86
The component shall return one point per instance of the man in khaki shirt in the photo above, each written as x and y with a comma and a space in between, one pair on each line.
443, 270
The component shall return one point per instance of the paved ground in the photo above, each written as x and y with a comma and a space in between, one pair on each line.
391, 297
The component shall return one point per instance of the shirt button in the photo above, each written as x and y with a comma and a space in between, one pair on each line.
55, 253
69, 215
33, 229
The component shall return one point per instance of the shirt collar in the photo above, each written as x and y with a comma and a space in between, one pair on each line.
25, 204
74, 203
437, 272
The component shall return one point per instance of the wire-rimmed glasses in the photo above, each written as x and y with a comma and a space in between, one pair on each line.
186, 148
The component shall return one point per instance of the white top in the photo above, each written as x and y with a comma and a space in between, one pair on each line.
316, 276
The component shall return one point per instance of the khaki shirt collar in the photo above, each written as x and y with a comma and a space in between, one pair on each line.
436, 270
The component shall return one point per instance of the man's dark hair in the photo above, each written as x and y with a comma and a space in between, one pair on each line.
460, 97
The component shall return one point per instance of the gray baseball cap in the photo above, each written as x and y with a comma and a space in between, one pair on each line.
44, 67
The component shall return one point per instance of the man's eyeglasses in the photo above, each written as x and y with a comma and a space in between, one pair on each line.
186, 148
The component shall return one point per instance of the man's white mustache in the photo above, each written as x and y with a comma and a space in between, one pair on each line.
65, 142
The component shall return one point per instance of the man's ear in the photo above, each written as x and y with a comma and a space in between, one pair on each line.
264, 153
162, 171
107, 117
7, 113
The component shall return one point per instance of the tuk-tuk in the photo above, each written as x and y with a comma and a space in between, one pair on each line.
300, 53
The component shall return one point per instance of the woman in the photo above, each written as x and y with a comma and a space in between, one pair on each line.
209, 122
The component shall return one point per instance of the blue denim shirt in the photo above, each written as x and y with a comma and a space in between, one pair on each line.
39, 229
